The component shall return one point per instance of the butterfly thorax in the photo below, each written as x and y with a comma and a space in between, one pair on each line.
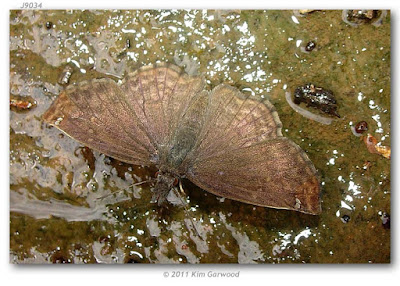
164, 183
184, 137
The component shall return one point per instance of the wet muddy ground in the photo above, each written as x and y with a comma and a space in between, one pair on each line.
70, 204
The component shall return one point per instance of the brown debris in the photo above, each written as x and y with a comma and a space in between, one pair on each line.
18, 103
371, 143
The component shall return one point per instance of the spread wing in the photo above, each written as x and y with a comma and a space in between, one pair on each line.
95, 114
159, 97
131, 121
241, 155
234, 121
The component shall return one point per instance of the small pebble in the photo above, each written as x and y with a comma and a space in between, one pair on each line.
345, 218
65, 75
385, 221
310, 46
316, 97
361, 127
360, 17
49, 25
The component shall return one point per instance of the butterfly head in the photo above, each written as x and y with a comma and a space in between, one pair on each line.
164, 184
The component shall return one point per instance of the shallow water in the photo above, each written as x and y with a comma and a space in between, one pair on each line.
70, 204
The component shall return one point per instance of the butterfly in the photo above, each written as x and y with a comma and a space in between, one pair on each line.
228, 144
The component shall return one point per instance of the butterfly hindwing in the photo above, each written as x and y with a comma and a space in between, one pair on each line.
273, 173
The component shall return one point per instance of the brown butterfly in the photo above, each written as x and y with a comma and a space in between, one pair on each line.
226, 143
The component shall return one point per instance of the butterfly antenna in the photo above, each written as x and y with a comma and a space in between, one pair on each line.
123, 190
140, 183
185, 207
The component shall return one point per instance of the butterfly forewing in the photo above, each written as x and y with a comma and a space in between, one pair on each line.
132, 122
159, 96
92, 114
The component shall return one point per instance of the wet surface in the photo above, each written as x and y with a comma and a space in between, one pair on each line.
70, 204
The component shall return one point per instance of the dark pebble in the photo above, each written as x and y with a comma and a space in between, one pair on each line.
385, 221
361, 127
49, 25
310, 46
316, 97
345, 218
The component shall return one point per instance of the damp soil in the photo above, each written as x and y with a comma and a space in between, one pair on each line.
70, 204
